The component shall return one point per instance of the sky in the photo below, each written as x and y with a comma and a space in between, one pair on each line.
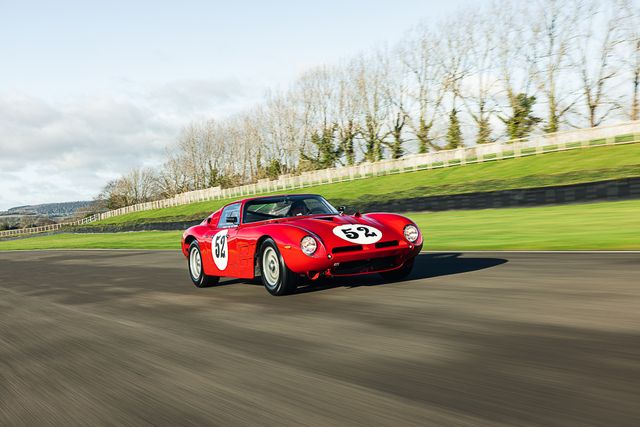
90, 90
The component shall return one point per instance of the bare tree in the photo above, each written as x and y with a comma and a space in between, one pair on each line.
629, 57
480, 82
282, 127
420, 54
594, 58
373, 111
138, 186
346, 111
516, 56
395, 89
553, 31
172, 178
318, 93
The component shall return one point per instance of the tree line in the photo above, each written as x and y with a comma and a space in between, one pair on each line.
493, 73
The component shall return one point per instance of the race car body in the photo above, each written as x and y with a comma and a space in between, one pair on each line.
287, 238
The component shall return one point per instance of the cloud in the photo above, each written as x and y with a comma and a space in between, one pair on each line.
68, 150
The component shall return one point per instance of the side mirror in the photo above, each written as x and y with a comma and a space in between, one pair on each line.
341, 209
209, 220
232, 220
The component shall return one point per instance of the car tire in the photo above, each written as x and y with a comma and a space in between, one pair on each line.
196, 270
399, 273
277, 278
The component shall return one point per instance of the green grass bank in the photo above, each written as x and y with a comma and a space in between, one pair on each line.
557, 168
593, 226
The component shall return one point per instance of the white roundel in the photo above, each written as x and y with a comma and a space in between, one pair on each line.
220, 249
358, 233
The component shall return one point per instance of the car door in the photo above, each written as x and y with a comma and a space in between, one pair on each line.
224, 250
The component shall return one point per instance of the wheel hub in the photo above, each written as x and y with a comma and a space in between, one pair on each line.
271, 267
195, 263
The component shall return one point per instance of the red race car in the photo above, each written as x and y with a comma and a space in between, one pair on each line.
285, 239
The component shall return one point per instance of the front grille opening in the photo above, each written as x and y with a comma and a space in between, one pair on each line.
351, 248
388, 244
364, 266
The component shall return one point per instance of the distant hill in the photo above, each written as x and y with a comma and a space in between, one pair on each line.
50, 210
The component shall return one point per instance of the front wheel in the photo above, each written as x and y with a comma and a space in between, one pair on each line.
399, 273
196, 271
276, 276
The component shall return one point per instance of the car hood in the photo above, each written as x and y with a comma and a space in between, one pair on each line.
323, 227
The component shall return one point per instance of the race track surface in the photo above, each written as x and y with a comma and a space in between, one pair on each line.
122, 337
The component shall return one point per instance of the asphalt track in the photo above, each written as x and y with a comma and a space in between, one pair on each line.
122, 337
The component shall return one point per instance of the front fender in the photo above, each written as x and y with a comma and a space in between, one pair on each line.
287, 238
397, 222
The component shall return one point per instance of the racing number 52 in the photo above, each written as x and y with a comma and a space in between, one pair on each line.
350, 234
219, 246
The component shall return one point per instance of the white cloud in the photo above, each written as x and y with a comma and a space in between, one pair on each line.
68, 150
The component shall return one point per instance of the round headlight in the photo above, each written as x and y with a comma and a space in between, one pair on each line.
308, 245
411, 233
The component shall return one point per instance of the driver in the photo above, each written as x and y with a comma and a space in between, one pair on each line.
298, 208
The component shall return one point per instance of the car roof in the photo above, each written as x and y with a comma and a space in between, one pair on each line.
262, 197
273, 196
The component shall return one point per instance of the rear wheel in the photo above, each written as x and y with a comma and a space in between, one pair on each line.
400, 273
196, 271
276, 276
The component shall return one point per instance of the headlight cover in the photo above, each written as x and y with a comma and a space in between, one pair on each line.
411, 233
308, 245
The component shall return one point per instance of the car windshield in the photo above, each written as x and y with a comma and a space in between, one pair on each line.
285, 206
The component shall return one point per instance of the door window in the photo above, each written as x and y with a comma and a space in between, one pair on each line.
229, 212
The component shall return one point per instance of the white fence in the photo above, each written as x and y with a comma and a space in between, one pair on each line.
623, 133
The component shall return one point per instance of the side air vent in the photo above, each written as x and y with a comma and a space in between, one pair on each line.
325, 218
342, 249
388, 244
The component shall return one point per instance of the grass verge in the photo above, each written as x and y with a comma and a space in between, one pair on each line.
128, 240
594, 226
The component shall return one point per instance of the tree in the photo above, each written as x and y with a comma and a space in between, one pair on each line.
327, 152
421, 56
281, 130
318, 93
517, 56
522, 121
552, 34
138, 186
594, 50
345, 110
454, 134
394, 83
272, 170
172, 178
629, 56
372, 106
480, 81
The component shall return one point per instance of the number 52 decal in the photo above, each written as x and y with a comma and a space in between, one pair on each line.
358, 233
220, 249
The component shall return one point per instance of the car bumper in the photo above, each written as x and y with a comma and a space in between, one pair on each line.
365, 260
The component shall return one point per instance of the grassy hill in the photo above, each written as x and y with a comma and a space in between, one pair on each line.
592, 226
557, 168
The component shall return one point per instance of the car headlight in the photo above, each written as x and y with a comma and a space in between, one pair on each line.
411, 233
308, 245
